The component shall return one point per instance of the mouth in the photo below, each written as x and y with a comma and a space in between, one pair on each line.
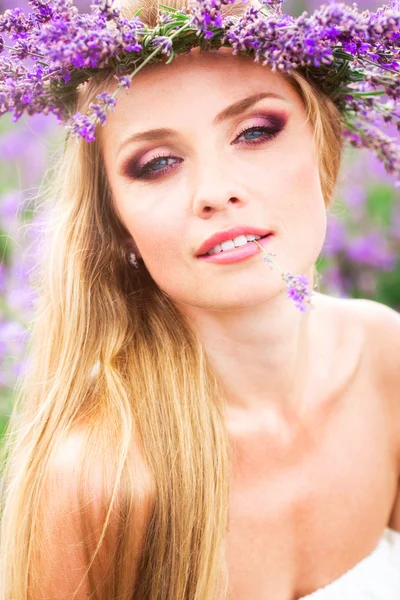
238, 253
226, 248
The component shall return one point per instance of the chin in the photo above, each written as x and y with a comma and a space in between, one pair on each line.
238, 298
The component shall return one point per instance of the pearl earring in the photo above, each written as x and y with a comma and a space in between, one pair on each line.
133, 260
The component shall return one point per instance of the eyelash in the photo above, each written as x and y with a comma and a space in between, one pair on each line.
269, 133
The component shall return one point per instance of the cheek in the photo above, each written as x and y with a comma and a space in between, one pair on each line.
164, 255
302, 213
310, 211
154, 242
158, 241
300, 183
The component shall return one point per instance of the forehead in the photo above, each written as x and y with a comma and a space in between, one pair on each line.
193, 88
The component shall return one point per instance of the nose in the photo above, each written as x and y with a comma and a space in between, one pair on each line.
216, 188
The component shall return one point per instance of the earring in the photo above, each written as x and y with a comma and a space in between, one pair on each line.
133, 260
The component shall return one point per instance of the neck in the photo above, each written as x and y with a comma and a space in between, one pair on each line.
260, 355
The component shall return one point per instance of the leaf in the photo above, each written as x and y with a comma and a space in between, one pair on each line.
171, 57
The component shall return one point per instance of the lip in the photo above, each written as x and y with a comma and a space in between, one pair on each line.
230, 234
240, 253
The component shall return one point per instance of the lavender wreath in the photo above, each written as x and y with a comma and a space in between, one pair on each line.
353, 57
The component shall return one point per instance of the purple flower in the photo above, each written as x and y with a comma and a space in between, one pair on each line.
297, 285
298, 290
105, 9
364, 135
164, 42
124, 81
281, 41
207, 14
15, 23
107, 99
83, 126
276, 5
42, 10
99, 112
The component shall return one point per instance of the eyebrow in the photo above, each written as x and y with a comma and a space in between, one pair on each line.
235, 109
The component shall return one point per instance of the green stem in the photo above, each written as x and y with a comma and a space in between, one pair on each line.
169, 8
177, 32
376, 65
342, 70
131, 75
367, 94
30, 53
269, 255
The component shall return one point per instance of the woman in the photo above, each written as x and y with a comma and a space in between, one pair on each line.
225, 444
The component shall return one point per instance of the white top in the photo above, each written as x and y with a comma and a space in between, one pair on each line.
376, 577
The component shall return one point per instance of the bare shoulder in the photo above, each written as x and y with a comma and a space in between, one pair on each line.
377, 328
342, 330
69, 454
367, 332
97, 483
381, 326
376, 325
340, 314
77, 521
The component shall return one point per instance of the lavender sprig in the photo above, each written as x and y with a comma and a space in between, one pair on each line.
297, 285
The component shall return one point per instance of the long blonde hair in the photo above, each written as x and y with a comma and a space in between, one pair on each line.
152, 386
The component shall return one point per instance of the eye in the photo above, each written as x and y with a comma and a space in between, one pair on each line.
161, 163
267, 133
276, 123
147, 172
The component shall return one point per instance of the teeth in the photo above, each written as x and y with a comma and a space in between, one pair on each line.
228, 245
241, 240
215, 250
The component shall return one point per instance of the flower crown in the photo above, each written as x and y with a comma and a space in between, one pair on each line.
353, 57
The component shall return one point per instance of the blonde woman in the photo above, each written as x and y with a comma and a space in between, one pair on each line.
184, 432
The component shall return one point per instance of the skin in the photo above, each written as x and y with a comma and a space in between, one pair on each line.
257, 340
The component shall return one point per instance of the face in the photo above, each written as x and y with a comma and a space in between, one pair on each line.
209, 175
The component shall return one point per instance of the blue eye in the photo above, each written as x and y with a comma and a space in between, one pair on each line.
160, 164
154, 162
266, 133
132, 171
